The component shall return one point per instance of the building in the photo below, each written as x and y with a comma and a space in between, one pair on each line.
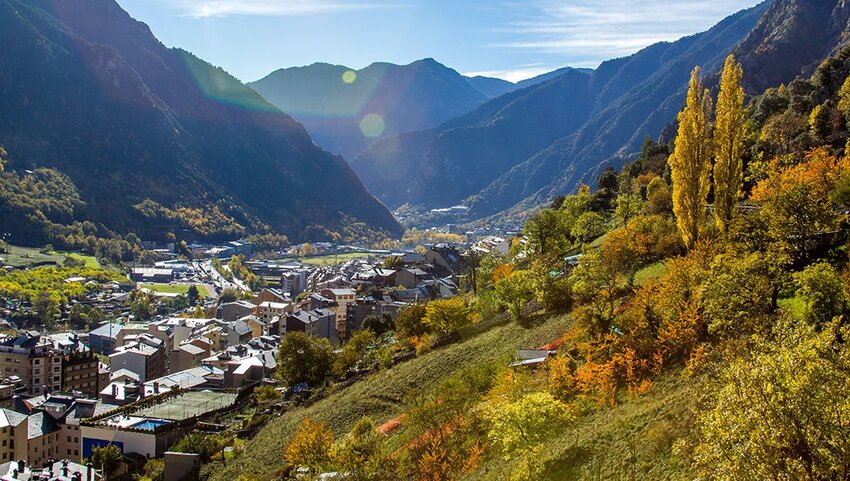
294, 281
358, 311
268, 310
145, 356
186, 356
147, 429
270, 295
152, 275
341, 299
104, 339
33, 359
231, 311
63, 470
317, 323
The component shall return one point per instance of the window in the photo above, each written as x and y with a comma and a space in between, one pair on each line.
76, 453
37, 362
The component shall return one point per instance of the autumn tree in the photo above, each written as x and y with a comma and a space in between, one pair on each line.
362, 454
410, 321
302, 358
545, 232
740, 294
780, 412
820, 287
515, 291
353, 352
729, 134
520, 428
445, 317
310, 446
690, 163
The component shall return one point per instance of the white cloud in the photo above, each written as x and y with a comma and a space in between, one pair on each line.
595, 30
223, 8
514, 74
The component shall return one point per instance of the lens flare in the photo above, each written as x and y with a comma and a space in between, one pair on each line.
372, 125
349, 76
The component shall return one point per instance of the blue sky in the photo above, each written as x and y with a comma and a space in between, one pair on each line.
511, 39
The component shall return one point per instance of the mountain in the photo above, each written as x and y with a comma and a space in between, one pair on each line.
338, 105
491, 87
791, 39
156, 140
550, 75
543, 140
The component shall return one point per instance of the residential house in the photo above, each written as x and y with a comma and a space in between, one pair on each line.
231, 311
103, 339
145, 356
317, 323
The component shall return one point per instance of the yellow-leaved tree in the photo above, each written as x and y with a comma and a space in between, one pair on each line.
729, 134
690, 163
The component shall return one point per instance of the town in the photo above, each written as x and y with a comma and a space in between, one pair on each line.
207, 336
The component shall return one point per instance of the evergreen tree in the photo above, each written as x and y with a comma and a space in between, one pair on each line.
690, 163
729, 135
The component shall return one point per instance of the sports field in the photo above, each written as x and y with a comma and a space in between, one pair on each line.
187, 405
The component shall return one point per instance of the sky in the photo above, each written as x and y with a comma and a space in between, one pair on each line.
509, 39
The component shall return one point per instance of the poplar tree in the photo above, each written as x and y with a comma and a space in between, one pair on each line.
690, 163
728, 143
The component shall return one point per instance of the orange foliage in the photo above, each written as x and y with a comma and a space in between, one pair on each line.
502, 271
821, 170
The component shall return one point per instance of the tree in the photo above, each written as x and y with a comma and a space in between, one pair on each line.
628, 206
353, 352
740, 294
392, 262
822, 291
193, 295
203, 444
780, 412
46, 308
545, 232
516, 291
379, 324
690, 163
303, 358
521, 427
362, 454
410, 321
445, 317
729, 134
266, 394
228, 294
310, 446
106, 458
588, 227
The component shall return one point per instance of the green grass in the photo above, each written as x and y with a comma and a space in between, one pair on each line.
23, 257
328, 260
652, 271
381, 396
175, 288
89, 261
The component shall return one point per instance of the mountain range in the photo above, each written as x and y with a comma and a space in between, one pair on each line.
525, 147
157, 140
345, 110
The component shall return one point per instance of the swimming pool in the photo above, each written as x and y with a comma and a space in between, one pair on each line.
149, 424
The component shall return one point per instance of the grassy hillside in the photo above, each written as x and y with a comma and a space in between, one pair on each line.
382, 396
631, 441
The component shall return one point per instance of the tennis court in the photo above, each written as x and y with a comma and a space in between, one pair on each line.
187, 405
